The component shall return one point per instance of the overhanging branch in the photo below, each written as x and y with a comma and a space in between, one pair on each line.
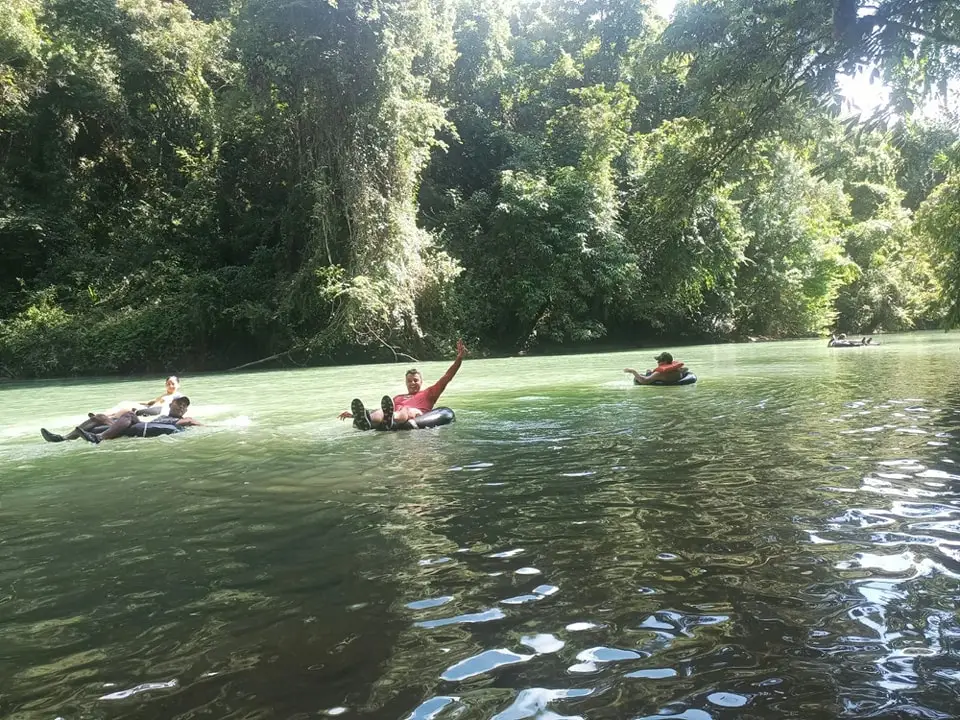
932, 34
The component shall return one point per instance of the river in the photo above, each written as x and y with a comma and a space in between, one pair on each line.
780, 540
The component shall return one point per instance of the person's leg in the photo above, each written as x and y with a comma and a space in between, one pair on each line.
405, 414
116, 429
405, 418
121, 408
92, 421
386, 405
361, 418
119, 426
51, 437
389, 415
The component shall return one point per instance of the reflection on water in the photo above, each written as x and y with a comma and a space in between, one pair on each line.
781, 540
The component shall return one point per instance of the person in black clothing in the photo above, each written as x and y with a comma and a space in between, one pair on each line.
121, 426
150, 407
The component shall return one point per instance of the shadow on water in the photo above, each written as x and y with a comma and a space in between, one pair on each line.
781, 540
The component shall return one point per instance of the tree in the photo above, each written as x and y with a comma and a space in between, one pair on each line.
938, 225
348, 88
794, 263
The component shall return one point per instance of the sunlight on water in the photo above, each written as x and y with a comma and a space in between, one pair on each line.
781, 539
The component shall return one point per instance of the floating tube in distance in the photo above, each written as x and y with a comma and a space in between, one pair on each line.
435, 418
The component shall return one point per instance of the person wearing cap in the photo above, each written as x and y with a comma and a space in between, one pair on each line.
157, 406
120, 427
668, 371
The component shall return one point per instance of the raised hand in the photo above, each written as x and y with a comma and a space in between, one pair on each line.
461, 349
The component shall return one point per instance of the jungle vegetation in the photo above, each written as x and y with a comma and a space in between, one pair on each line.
200, 184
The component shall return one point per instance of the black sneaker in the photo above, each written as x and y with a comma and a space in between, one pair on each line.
88, 436
51, 437
361, 418
386, 404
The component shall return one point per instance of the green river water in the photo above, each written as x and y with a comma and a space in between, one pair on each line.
780, 540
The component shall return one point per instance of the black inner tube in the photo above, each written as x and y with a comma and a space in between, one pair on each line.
688, 378
435, 418
143, 429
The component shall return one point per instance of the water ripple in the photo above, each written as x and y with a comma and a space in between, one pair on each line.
762, 546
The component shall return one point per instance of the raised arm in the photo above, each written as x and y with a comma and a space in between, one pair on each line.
434, 391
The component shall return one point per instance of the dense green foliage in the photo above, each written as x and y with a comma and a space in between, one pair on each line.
200, 184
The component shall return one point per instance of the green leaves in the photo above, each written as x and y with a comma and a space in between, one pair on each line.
795, 263
324, 174
938, 226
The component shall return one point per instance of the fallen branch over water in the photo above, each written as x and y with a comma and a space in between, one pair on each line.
396, 353
263, 360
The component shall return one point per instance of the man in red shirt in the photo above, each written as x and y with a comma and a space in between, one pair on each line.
403, 408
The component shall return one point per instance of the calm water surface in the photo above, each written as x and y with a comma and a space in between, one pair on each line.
781, 540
